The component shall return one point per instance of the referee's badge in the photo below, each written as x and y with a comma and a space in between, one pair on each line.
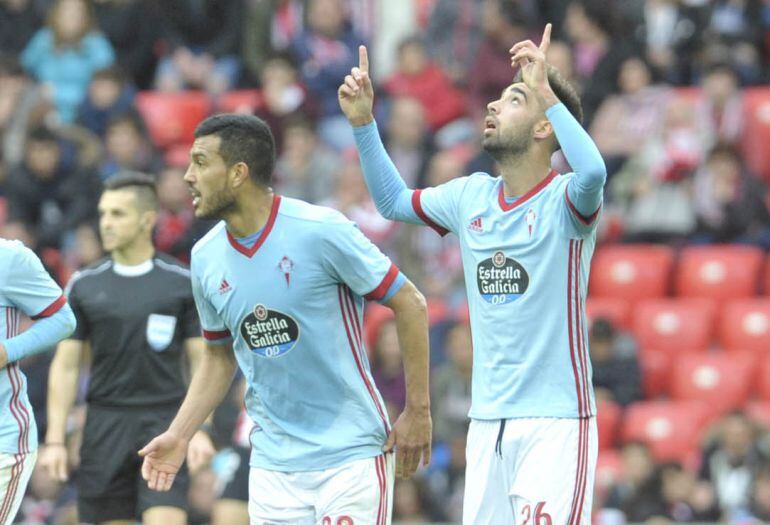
160, 331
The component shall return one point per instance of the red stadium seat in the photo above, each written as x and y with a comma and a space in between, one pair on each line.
172, 117
632, 272
723, 381
671, 429
766, 279
756, 130
719, 271
656, 370
240, 101
674, 324
608, 418
745, 325
763, 381
616, 310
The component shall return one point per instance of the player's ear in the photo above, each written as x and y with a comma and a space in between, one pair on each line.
149, 218
543, 129
239, 174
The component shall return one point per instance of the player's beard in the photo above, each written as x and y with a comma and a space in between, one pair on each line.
502, 146
217, 205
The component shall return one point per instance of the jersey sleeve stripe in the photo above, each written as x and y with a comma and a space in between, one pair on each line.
379, 292
418, 209
51, 309
588, 221
211, 335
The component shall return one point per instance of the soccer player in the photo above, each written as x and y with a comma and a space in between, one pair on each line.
136, 312
280, 287
526, 239
25, 287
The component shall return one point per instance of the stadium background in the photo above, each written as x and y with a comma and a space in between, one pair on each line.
678, 302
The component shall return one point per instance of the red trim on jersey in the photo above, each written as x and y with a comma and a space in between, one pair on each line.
216, 336
358, 360
18, 410
249, 252
588, 221
24, 438
52, 308
382, 289
582, 345
570, 266
381, 481
417, 205
579, 464
524, 198
13, 485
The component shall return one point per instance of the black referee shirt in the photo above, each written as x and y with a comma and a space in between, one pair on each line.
136, 325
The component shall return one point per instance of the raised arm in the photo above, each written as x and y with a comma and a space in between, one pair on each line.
356, 97
585, 188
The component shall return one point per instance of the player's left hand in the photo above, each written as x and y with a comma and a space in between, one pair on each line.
163, 457
411, 436
531, 60
3, 356
200, 451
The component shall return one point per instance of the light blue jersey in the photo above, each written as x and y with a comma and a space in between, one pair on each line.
292, 304
526, 264
25, 287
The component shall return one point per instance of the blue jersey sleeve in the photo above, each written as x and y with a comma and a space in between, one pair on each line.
351, 258
585, 189
439, 207
30, 288
213, 328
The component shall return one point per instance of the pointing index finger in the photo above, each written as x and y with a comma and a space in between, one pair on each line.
546, 38
363, 59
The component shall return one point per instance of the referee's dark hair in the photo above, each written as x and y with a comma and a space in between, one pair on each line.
244, 138
142, 184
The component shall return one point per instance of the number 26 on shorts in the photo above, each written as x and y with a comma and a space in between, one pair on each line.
342, 520
540, 517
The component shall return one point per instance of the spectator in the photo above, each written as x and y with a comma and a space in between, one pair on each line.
127, 147
720, 112
202, 40
133, 30
108, 95
418, 77
326, 51
46, 195
453, 36
283, 97
451, 385
593, 27
387, 370
503, 23
638, 493
729, 463
305, 169
732, 25
686, 498
407, 139
270, 26
731, 204
616, 375
19, 19
625, 121
653, 188
66, 53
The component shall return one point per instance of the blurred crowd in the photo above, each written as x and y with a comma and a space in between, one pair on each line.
663, 84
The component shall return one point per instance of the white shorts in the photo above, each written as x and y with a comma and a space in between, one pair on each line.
357, 493
15, 471
537, 471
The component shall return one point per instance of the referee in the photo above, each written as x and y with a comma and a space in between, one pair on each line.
135, 309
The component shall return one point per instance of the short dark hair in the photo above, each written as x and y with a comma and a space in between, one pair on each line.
131, 117
244, 138
142, 184
42, 134
564, 91
113, 73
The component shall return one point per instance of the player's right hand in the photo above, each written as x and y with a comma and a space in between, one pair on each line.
356, 95
53, 458
411, 436
163, 457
